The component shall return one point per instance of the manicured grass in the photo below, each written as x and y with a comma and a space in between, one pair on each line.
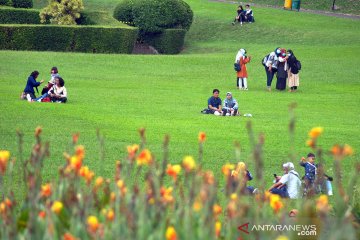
119, 94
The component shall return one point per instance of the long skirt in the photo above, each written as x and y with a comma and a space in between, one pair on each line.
293, 79
281, 83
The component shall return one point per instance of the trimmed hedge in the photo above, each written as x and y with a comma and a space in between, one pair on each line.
19, 16
67, 38
22, 3
170, 41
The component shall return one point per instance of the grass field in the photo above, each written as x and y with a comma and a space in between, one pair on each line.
118, 94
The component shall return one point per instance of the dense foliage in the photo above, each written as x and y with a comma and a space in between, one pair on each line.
155, 15
170, 41
62, 12
22, 3
76, 39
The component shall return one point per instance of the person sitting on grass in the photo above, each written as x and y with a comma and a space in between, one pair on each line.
54, 74
214, 103
58, 92
230, 105
249, 16
240, 17
31, 83
241, 175
288, 185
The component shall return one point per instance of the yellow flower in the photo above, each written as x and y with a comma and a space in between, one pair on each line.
4, 157
121, 185
227, 168
93, 224
316, 132
110, 215
57, 207
197, 206
217, 228
276, 203
46, 190
233, 196
144, 158
75, 162
322, 203
132, 150
217, 210
166, 195
171, 233
189, 163
86, 174
202, 137
98, 182
173, 170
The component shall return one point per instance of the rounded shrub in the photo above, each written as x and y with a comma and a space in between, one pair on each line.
152, 16
22, 3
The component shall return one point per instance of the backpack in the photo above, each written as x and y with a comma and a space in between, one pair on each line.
237, 67
298, 64
264, 60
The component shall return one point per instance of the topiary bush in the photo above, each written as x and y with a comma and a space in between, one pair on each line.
153, 16
170, 41
22, 3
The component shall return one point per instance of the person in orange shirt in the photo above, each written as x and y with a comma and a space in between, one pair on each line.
242, 75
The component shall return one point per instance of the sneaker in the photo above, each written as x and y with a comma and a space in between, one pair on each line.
39, 100
28, 97
227, 114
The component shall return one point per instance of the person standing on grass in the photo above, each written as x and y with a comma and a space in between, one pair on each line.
282, 71
29, 92
270, 63
288, 185
214, 103
293, 71
230, 105
242, 75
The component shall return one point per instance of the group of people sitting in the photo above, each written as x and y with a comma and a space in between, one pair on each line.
290, 184
54, 91
229, 107
244, 15
286, 66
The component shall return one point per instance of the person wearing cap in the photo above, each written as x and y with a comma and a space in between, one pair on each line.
214, 103
230, 105
242, 75
289, 184
241, 175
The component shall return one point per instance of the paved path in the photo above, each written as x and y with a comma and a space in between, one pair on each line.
326, 13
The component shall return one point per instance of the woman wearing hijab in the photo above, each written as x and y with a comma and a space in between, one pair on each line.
282, 71
293, 71
241, 79
270, 63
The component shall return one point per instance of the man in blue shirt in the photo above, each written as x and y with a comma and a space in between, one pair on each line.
214, 103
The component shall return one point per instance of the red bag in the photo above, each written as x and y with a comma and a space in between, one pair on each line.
46, 99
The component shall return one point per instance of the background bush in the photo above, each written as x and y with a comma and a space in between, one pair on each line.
62, 38
5, 2
155, 15
64, 12
19, 16
22, 3
170, 41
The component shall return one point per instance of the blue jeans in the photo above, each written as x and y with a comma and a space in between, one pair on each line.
282, 192
42, 96
269, 76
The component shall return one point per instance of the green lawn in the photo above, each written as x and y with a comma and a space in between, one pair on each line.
119, 94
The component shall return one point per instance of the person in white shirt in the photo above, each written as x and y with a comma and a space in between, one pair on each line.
288, 186
58, 92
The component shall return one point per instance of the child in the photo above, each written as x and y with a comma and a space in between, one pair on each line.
241, 76
54, 74
242, 175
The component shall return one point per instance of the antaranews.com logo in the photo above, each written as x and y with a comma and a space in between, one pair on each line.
301, 229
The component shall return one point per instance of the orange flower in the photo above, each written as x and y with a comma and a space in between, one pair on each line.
86, 174
38, 131
348, 151
311, 143
171, 233
46, 190
189, 163
166, 195
112, 196
75, 137
341, 151
197, 206
4, 157
42, 214
121, 185
132, 150
202, 137
2, 207
217, 210
75, 162
98, 182
209, 177
217, 228
226, 169
173, 170
110, 215
93, 224
322, 203
316, 132
144, 158
57, 207
276, 203
68, 236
